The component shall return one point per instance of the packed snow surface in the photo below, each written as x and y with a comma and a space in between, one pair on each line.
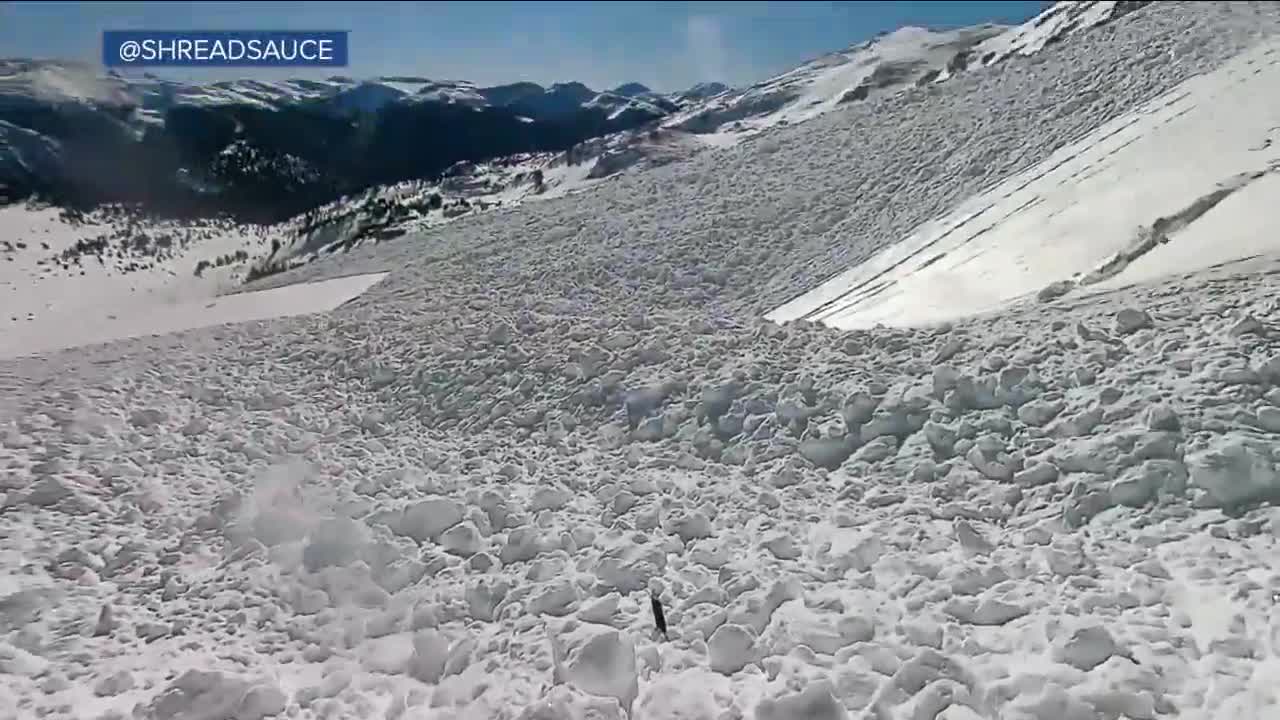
137, 319
66, 284
454, 496
1176, 185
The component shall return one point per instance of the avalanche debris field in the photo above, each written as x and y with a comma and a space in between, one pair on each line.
452, 496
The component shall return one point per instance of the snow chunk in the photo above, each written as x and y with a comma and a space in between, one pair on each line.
691, 695
114, 684
1129, 321
333, 543
1087, 648
829, 453
929, 666
1269, 418
1039, 413
16, 661
814, 702
463, 540
781, 545
49, 491
731, 648
597, 660
567, 703
694, 526
1040, 473
430, 652
522, 544
555, 599
1235, 470
428, 519
214, 696
628, 566
1138, 485
990, 611
549, 498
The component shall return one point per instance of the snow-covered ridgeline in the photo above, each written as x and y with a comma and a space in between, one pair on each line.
453, 496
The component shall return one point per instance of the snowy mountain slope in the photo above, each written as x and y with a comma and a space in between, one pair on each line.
70, 280
276, 119
73, 279
70, 82
28, 156
393, 211
1125, 201
1053, 25
891, 63
455, 496
704, 91
26, 81
835, 216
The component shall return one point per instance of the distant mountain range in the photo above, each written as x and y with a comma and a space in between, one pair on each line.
269, 150
265, 151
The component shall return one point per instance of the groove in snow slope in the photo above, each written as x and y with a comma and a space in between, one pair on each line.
1076, 216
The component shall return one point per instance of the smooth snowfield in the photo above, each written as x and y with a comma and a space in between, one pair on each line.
54, 300
1203, 160
37, 287
138, 319
451, 497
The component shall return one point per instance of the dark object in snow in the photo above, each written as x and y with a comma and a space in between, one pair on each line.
658, 618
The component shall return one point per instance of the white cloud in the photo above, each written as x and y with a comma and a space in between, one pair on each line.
706, 49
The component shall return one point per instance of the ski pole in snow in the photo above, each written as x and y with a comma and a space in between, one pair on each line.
659, 618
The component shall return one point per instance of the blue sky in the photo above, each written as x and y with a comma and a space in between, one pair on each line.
665, 45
